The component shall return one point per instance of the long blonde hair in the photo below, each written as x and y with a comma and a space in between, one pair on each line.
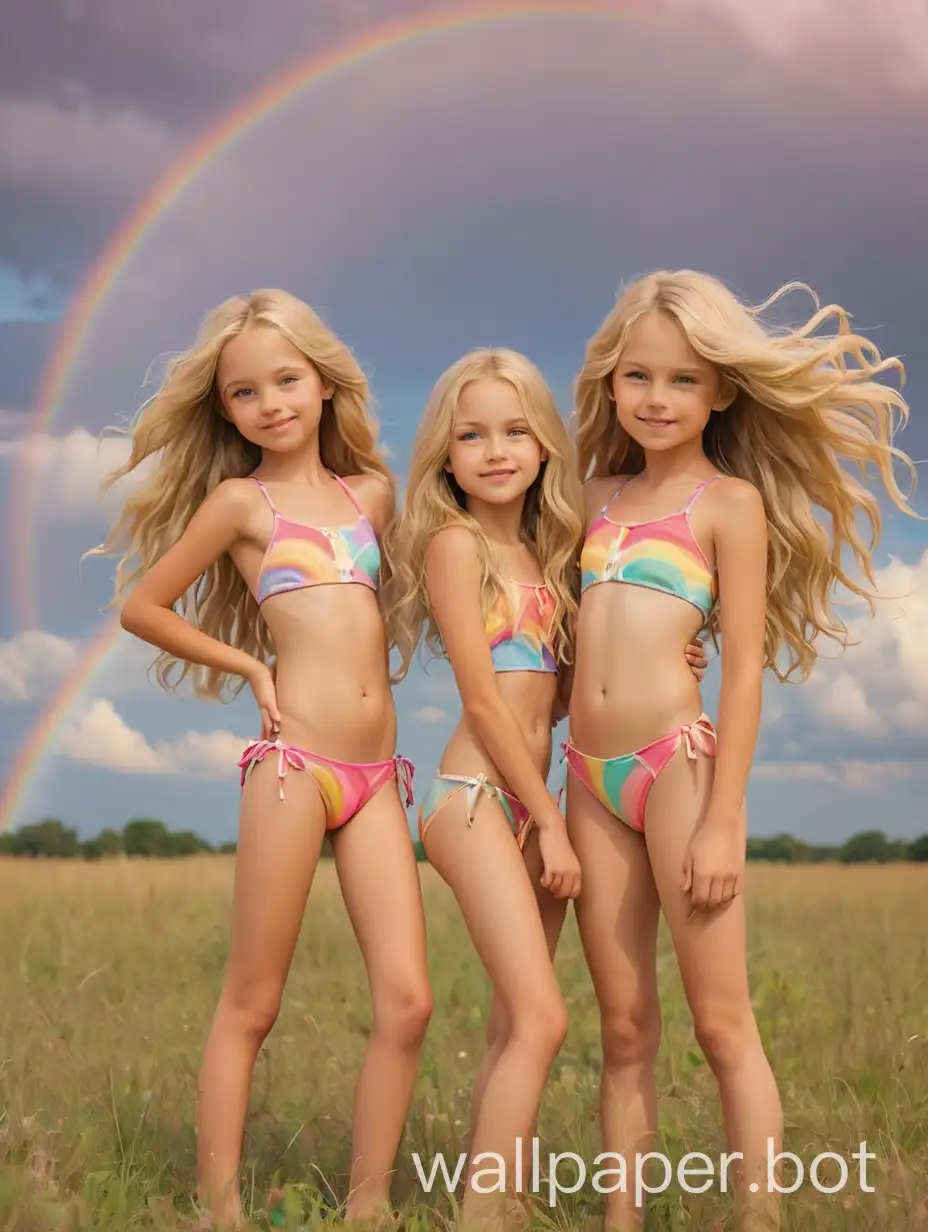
198, 447
796, 411
552, 516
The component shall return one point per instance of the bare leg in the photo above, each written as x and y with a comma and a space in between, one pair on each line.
617, 916
711, 950
279, 843
380, 882
487, 875
553, 912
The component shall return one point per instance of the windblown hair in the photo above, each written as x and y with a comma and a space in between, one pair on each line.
552, 516
197, 447
795, 411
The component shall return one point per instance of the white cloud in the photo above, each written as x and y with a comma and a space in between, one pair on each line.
68, 470
891, 37
92, 154
430, 714
843, 701
881, 684
32, 663
854, 775
101, 737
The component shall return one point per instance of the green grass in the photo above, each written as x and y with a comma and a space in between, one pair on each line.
109, 974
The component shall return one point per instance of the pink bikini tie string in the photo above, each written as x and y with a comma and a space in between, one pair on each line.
406, 776
701, 725
287, 756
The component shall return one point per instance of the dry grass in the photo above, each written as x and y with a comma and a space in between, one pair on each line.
109, 975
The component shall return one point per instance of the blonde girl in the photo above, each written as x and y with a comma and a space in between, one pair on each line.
483, 558
258, 560
705, 440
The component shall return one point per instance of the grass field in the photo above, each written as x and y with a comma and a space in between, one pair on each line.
109, 974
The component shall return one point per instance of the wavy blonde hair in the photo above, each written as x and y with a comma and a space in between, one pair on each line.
197, 447
552, 517
796, 411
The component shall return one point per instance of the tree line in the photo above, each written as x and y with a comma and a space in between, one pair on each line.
146, 837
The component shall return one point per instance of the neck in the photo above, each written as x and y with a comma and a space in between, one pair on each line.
302, 466
501, 524
664, 464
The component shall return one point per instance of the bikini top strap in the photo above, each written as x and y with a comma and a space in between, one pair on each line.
699, 489
349, 493
621, 488
267, 495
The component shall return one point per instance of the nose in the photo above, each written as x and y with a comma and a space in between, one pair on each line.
657, 396
269, 401
496, 447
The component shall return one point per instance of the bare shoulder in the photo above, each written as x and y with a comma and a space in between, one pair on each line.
732, 496
376, 495
453, 547
235, 499
596, 492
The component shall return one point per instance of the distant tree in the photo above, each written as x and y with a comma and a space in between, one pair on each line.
869, 847
183, 843
45, 838
143, 837
111, 842
918, 849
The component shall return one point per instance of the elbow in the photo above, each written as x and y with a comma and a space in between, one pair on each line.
128, 617
482, 709
132, 616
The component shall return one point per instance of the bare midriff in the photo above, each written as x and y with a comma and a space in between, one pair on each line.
632, 683
333, 687
530, 696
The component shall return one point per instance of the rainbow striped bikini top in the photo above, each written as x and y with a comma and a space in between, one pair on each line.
299, 556
661, 554
518, 629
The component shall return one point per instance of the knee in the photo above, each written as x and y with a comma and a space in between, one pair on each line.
725, 1034
402, 1015
631, 1035
253, 1008
542, 1024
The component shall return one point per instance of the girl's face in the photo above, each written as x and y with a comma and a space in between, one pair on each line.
664, 391
494, 455
270, 390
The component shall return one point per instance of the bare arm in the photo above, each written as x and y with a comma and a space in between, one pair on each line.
148, 611
741, 559
453, 574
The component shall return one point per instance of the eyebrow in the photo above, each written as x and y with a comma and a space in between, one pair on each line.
243, 380
478, 423
685, 371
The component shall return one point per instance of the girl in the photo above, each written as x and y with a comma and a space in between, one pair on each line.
484, 555
262, 519
707, 439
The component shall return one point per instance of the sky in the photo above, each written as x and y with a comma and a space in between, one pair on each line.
493, 182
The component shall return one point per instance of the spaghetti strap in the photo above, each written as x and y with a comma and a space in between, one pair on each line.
267, 495
621, 488
699, 489
349, 493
